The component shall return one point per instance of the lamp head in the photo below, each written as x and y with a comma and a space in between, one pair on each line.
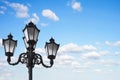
9, 45
51, 48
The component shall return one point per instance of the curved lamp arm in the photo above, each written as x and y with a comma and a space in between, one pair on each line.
39, 60
19, 59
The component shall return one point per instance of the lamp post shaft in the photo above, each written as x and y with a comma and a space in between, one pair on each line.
30, 72
30, 61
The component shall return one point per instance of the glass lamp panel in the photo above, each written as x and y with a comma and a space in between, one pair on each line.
25, 42
36, 33
31, 33
48, 48
55, 49
26, 34
6, 45
12, 46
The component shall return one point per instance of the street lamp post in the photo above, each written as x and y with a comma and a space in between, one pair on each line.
30, 58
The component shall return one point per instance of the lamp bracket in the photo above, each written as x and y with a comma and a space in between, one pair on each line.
37, 59
20, 59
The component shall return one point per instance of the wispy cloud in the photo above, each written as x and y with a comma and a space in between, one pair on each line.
1, 12
74, 48
20, 9
109, 62
117, 43
4, 71
75, 5
94, 54
44, 24
97, 70
91, 55
35, 18
40, 50
50, 14
2, 9
117, 53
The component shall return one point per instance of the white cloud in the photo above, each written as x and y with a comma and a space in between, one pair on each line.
104, 53
76, 65
21, 10
2, 62
3, 7
94, 54
108, 43
1, 12
40, 50
109, 62
44, 24
50, 14
64, 59
97, 70
4, 71
35, 19
74, 48
89, 47
89, 63
117, 53
117, 43
71, 47
76, 6
91, 55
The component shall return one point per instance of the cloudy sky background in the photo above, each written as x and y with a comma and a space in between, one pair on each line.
87, 31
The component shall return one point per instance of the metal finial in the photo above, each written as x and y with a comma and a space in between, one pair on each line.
10, 36
52, 40
30, 23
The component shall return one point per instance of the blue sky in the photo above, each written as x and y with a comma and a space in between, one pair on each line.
87, 31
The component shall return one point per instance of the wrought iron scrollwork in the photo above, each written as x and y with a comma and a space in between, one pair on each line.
37, 59
20, 59
24, 58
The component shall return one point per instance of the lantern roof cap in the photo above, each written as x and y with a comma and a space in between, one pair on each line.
10, 36
31, 23
52, 40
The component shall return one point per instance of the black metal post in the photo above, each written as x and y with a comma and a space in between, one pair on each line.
30, 72
30, 60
